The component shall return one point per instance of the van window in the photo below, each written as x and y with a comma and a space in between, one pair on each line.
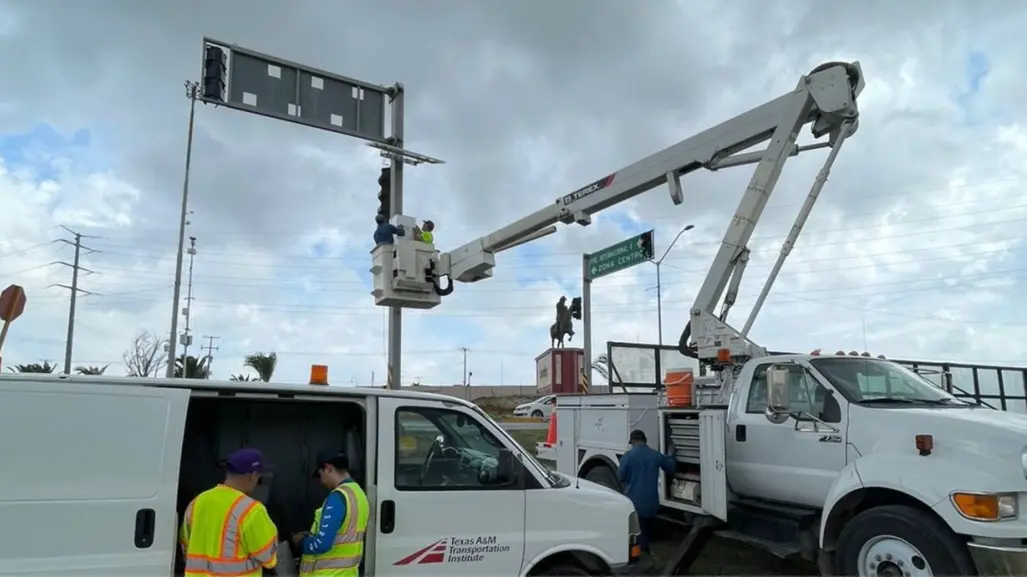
81, 446
439, 449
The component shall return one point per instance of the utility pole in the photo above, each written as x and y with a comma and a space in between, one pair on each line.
210, 351
75, 268
192, 92
465, 349
187, 338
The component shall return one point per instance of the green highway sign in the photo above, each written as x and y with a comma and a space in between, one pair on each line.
625, 254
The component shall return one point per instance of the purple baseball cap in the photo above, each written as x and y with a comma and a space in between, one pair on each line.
245, 461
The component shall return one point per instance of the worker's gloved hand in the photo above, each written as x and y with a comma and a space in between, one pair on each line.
671, 449
297, 538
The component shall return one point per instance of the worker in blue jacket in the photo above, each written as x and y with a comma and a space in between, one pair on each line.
639, 473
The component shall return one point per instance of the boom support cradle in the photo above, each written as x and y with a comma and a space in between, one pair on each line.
407, 273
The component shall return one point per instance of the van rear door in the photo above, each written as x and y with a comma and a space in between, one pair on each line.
89, 476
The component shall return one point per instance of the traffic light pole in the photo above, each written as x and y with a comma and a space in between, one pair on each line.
394, 374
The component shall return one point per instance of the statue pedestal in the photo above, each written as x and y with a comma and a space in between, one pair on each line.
558, 371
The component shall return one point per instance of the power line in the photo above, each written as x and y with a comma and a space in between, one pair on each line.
809, 240
75, 268
893, 193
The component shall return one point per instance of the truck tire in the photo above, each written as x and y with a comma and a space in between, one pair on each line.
892, 538
537, 414
603, 475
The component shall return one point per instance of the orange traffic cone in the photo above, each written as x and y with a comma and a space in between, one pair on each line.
551, 434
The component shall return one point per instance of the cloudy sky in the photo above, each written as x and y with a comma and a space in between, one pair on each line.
915, 250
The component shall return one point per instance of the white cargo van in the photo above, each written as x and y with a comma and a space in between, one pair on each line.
97, 471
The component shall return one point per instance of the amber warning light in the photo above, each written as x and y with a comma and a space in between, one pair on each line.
924, 444
319, 374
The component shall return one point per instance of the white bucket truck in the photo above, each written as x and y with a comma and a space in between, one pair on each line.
97, 471
855, 462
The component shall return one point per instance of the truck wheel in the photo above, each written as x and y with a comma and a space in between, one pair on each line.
897, 540
604, 476
537, 414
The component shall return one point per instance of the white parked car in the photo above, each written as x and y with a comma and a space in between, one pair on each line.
540, 408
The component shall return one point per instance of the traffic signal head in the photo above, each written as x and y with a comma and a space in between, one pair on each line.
215, 73
647, 244
384, 192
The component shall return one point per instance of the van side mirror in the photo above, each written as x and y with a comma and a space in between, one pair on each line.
779, 402
507, 467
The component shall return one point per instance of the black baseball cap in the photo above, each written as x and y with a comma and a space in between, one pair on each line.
335, 457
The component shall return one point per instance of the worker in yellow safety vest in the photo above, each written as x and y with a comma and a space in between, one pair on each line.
225, 532
426, 232
334, 546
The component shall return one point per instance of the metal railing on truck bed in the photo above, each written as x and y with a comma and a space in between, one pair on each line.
639, 367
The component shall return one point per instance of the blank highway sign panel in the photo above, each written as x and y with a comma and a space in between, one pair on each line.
285, 90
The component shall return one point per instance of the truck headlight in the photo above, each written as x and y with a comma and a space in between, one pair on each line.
986, 506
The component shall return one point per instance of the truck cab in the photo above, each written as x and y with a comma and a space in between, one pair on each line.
98, 471
875, 460
856, 463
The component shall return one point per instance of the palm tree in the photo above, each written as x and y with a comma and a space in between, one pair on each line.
91, 370
44, 367
264, 364
191, 368
241, 377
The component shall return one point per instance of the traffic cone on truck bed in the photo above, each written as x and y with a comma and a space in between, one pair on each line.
551, 434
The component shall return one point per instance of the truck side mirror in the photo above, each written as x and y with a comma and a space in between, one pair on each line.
779, 400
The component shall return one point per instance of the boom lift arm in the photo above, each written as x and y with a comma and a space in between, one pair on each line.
407, 274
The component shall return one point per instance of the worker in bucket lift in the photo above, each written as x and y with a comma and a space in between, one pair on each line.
426, 232
386, 232
226, 532
639, 473
334, 546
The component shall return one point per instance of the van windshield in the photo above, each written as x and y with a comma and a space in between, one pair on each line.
873, 381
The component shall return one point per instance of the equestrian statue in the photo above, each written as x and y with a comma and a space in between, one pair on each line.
564, 325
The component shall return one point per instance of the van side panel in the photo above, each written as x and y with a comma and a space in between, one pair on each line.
83, 466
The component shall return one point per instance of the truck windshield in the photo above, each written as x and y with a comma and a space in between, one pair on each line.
869, 381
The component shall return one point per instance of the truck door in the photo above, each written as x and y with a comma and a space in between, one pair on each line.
439, 512
90, 477
788, 461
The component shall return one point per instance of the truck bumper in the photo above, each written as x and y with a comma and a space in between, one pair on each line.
999, 559
643, 566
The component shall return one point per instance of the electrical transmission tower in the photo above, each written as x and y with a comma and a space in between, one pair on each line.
73, 287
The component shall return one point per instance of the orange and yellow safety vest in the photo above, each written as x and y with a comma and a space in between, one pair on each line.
343, 559
226, 533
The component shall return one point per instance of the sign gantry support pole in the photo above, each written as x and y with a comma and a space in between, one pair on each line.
394, 375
